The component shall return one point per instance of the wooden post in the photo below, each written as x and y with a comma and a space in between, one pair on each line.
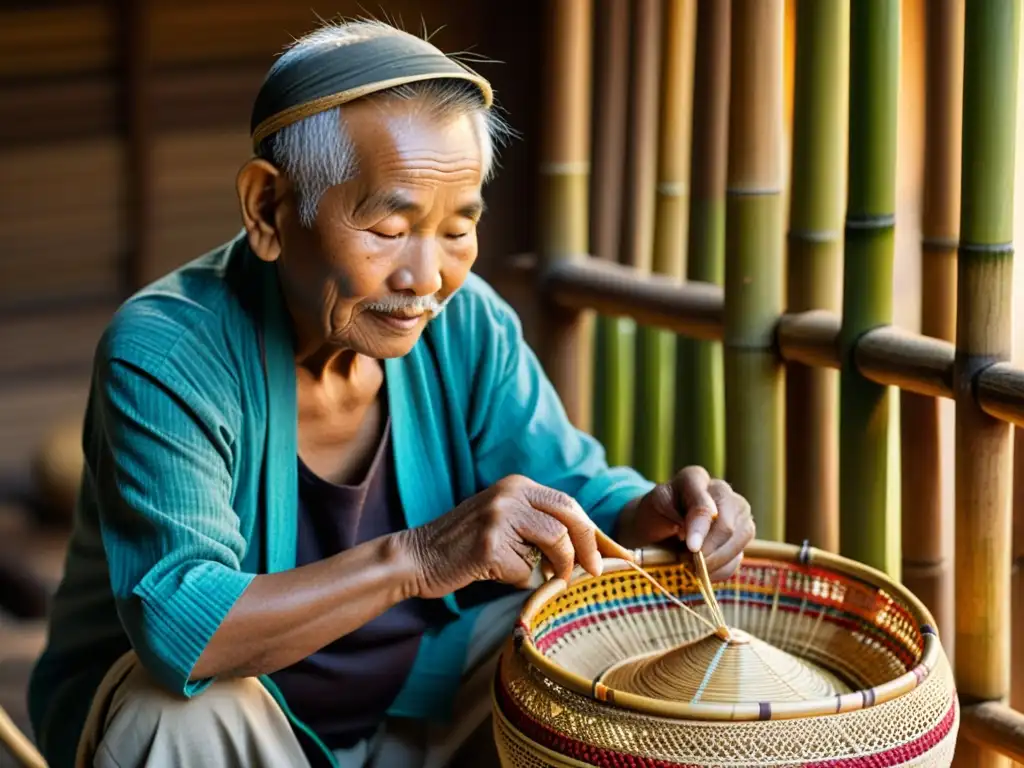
813, 276
869, 527
133, 20
754, 395
656, 372
1017, 638
927, 571
700, 404
614, 351
563, 194
983, 337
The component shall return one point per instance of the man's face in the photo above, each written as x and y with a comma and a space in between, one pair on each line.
391, 245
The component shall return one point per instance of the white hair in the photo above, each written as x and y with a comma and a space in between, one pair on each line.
316, 153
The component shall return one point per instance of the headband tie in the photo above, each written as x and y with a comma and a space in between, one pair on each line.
335, 75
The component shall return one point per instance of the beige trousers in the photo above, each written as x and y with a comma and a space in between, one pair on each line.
237, 723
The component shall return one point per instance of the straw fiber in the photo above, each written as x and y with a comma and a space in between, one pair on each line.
828, 663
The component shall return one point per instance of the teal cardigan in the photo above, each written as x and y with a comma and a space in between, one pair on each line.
190, 484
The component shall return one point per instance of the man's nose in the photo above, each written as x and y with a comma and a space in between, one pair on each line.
420, 271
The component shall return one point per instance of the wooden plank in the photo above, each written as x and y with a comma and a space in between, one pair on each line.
50, 41
57, 340
63, 220
36, 112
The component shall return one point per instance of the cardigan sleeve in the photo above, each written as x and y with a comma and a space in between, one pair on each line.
161, 450
519, 426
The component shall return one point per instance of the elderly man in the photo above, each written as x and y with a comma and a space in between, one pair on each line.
312, 499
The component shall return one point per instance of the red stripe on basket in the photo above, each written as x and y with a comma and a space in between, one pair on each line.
901, 754
607, 758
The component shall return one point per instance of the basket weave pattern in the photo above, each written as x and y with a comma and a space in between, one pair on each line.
894, 702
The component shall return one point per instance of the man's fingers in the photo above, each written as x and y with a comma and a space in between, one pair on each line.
550, 537
726, 571
582, 532
691, 486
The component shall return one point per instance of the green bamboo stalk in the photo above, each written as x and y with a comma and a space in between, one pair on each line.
818, 193
657, 348
615, 392
869, 522
754, 405
984, 527
700, 396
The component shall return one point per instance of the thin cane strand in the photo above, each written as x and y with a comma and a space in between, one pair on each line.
672, 598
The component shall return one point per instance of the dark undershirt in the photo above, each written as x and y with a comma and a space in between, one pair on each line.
344, 690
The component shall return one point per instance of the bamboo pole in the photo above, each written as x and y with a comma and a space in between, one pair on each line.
613, 365
657, 348
564, 176
623, 359
815, 249
754, 264
983, 336
700, 403
869, 529
927, 569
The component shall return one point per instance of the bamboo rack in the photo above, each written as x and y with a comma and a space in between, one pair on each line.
869, 532
753, 264
700, 407
818, 191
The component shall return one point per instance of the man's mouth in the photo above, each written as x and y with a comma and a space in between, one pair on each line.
403, 321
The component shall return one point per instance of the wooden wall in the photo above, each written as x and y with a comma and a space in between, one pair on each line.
122, 126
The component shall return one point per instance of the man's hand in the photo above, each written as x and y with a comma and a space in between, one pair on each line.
495, 536
706, 513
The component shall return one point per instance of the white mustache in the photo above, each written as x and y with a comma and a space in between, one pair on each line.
391, 304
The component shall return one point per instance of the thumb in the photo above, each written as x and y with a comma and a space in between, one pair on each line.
701, 510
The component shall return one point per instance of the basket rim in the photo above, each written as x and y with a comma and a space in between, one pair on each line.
759, 549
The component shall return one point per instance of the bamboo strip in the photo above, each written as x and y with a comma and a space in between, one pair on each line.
613, 339
657, 348
815, 252
565, 167
754, 263
983, 336
700, 405
869, 527
926, 547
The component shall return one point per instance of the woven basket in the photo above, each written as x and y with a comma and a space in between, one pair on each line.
858, 676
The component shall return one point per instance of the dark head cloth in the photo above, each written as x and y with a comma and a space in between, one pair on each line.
333, 75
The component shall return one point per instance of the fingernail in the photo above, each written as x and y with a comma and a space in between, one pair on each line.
694, 542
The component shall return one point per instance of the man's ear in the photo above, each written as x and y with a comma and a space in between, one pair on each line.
260, 187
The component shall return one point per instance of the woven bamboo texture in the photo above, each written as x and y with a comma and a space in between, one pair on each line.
837, 666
